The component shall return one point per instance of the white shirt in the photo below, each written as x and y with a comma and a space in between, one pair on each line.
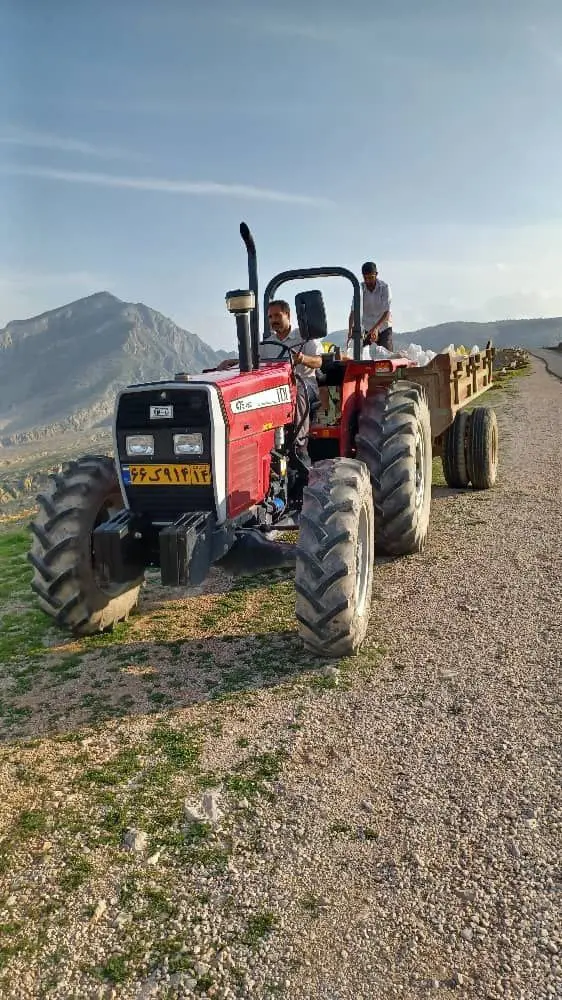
273, 352
375, 304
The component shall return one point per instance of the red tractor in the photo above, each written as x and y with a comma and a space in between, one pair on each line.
205, 463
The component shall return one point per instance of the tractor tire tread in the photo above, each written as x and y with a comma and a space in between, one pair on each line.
63, 579
325, 579
388, 425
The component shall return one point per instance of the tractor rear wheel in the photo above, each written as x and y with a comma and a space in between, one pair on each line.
65, 581
482, 448
335, 556
454, 452
394, 440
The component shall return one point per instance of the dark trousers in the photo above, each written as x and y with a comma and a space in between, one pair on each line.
305, 398
384, 339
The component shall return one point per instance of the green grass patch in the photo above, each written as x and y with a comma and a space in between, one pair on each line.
437, 477
22, 634
76, 873
259, 926
247, 780
115, 772
30, 823
180, 749
16, 572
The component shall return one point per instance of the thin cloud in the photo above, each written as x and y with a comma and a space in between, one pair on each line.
44, 140
546, 48
165, 186
339, 33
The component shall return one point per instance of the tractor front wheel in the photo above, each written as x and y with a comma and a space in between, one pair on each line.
65, 580
394, 440
335, 556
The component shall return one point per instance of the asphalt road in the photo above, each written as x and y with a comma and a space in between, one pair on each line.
552, 359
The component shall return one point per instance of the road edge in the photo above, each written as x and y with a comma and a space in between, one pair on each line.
539, 357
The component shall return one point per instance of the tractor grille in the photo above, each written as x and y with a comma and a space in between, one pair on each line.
191, 409
191, 413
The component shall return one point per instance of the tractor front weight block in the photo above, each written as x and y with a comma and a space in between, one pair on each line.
186, 550
119, 550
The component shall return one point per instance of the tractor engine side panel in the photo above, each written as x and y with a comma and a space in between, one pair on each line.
254, 405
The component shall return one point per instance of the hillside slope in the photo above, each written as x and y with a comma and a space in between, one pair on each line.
62, 370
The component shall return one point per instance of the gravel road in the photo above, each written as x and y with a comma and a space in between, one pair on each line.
408, 843
419, 817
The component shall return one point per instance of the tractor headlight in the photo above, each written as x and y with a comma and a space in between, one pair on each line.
139, 444
188, 444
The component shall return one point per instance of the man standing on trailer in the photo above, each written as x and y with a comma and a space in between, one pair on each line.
376, 321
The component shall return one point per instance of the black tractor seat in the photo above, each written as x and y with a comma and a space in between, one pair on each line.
313, 325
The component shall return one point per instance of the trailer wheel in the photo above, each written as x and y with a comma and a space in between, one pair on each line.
335, 557
482, 448
454, 452
65, 581
394, 440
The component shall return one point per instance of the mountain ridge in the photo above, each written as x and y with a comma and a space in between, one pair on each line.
528, 333
61, 369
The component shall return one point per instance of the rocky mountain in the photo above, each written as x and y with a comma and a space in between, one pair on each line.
529, 333
60, 371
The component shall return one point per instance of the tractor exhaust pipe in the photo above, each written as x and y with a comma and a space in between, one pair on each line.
240, 303
253, 285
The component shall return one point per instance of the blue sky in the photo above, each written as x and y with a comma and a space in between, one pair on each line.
135, 135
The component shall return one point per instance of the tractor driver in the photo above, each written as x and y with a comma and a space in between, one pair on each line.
307, 362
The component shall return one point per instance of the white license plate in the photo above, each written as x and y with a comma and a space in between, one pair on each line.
161, 412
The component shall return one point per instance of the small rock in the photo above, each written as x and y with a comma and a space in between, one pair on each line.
101, 907
332, 673
468, 894
202, 969
368, 806
193, 814
154, 858
210, 805
11, 901
466, 933
458, 979
135, 840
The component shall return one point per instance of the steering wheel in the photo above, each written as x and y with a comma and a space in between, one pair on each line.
289, 348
